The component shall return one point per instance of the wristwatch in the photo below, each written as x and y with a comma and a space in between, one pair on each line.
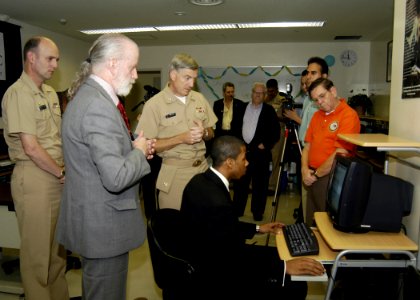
257, 228
62, 174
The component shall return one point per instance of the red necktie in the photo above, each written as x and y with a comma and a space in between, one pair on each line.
125, 118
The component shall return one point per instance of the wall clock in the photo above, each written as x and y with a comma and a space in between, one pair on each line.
348, 58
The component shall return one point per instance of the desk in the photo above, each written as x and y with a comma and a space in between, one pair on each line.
335, 245
382, 142
338, 240
364, 243
326, 254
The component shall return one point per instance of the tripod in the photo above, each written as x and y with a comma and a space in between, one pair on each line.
290, 128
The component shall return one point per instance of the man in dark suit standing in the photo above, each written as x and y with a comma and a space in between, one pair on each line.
260, 131
229, 112
230, 268
100, 216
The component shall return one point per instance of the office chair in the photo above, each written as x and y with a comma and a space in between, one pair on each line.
173, 273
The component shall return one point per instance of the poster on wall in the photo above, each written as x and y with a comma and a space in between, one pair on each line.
411, 69
2, 59
211, 79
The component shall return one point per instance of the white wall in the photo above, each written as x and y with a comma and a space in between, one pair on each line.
290, 54
404, 120
72, 53
358, 78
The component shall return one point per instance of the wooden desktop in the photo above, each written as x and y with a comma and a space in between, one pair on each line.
338, 240
326, 254
379, 140
335, 245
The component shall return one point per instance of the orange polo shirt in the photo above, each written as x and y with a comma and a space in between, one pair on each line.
323, 132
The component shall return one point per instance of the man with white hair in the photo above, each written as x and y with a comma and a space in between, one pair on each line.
100, 216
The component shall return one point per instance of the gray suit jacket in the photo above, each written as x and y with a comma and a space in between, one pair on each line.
99, 214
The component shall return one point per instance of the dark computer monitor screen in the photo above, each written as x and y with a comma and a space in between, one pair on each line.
348, 192
337, 186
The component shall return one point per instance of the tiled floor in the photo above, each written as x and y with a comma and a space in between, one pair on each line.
140, 277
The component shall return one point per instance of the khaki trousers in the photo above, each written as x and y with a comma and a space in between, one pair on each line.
172, 180
36, 195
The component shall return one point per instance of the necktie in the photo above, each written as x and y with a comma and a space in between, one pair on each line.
125, 118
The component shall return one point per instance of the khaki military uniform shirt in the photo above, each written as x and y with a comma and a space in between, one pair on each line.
165, 116
26, 109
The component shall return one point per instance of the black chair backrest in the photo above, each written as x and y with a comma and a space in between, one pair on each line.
168, 249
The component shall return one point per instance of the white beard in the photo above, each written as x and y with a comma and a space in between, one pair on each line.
124, 86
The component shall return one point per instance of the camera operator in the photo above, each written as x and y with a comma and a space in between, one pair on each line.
294, 113
317, 68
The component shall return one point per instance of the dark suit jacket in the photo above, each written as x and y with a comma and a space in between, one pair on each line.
268, 129
237, 117
207, 206
218, 242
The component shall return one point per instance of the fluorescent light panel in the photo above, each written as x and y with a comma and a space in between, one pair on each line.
119, 30
282, 24
196, 27
206, 27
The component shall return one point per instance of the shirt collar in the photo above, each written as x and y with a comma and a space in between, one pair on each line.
107, 87
172, 98
223, 178
28, 81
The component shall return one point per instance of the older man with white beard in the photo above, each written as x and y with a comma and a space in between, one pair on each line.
100, 216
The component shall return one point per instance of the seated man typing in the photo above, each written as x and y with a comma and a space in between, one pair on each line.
230, 268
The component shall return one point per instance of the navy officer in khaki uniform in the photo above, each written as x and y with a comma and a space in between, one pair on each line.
180, 120
32, 129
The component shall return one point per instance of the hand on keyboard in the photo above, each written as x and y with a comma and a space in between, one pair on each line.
300, 239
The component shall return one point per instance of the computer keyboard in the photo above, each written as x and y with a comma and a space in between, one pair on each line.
300, 239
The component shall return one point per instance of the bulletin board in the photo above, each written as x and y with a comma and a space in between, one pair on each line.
10, 56
211, 79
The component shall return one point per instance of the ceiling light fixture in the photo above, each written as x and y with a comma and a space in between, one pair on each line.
207, 27
282, 24
206, 2
119, 30
196, 27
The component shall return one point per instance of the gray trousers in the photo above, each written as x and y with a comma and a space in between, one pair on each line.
104, 278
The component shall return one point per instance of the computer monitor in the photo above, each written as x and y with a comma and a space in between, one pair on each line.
361, 200
348, 193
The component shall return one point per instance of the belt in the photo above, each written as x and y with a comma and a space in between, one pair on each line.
183, 162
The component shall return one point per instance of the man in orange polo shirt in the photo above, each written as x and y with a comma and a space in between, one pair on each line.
322, 142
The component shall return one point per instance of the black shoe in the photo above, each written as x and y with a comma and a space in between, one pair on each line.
258, 217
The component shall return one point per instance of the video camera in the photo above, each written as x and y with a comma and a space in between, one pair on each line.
151, 91
289, 103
